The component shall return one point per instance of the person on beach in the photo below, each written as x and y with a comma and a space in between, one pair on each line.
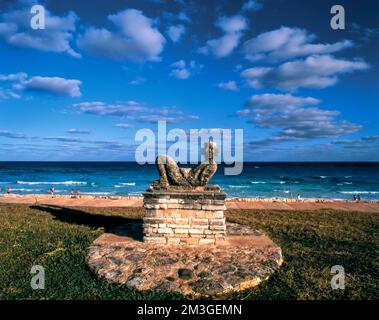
52, 191
354, 198
298, 197
78, 193
8, 190
359, 197
72, 194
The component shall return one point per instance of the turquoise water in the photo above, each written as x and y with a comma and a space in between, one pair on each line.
266, 180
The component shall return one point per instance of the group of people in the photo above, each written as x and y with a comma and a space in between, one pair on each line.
357, 197
73, 194
7, 190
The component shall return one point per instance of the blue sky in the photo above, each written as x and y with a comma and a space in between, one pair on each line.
82, 87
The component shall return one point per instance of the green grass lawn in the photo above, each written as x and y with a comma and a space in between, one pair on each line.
312, 242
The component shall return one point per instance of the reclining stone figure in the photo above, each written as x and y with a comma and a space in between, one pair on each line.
171, 176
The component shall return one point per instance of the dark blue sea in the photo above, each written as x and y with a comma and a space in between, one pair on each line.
258, 180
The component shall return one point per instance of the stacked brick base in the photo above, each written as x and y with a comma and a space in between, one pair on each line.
184, 217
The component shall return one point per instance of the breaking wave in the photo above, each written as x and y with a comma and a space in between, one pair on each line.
66, 183
359, 192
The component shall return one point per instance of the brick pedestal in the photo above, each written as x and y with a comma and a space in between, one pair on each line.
184, 217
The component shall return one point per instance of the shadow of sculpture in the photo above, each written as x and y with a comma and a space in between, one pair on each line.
121, 226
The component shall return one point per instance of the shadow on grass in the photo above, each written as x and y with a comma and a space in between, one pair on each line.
121, 226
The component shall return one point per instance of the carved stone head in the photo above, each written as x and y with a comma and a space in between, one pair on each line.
210, 150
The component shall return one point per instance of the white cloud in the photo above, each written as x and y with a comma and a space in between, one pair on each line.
124, 125
279, 101
19, 76
135, 111
180, 74
154, 118
232, 24
181, 16
229, 85
8, 94
12, 135
137, 81
79, 131
179, 64
135, 38
176, 32
252, 5
295, 118
181, 70
365, 33
16, 31
233, 28
369, 142
318, 71
54, 85
103, 109
287, 43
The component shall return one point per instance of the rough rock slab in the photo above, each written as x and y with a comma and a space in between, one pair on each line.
245, 259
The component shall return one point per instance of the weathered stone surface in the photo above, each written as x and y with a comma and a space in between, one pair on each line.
207, 241
242, 261
185, 214
172, 177
185, 274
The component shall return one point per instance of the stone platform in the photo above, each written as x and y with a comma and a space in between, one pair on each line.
241, 261
184, 217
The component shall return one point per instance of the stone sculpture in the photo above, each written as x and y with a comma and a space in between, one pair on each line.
173, 177
186, 246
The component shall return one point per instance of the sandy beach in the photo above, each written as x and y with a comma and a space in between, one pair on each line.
232, 203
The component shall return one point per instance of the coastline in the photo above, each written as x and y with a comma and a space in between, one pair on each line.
136, 198
232, 203
272, 181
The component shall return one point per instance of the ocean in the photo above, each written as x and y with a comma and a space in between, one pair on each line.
258, 180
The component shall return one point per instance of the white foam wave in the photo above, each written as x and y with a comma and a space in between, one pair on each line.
98, 193
135, 194
123, 184
25, 190
258, 182
232, 186
66, 183
359, 192
284, 191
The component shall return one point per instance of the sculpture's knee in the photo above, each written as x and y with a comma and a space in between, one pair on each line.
161, 159
166, 160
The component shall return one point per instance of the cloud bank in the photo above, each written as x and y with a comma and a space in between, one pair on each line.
16, 31
316, 72
133, 37
288, 43
233, 28
294, 118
